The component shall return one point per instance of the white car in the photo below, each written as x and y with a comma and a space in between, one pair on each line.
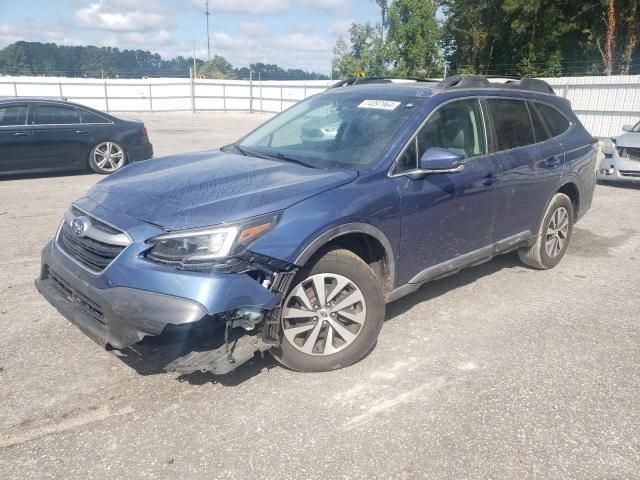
621, 162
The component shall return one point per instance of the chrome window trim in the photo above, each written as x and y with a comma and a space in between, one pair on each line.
80, 264
392, 174
480, 98
78, 108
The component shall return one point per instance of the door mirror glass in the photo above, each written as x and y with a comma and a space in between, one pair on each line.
440, 159
627, 128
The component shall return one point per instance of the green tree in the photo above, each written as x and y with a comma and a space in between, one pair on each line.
365, 55
217, 67
413, 38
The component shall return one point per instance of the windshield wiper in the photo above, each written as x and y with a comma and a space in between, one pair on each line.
287, 158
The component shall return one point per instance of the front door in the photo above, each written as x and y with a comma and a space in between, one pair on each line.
16, 147
447, 215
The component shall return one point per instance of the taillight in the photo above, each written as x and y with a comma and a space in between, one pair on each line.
143, 132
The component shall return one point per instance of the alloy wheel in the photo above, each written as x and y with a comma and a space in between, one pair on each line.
557, 232
323, 314
108, 156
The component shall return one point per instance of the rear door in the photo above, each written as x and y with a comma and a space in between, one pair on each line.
16, 147
62, 140
531, 164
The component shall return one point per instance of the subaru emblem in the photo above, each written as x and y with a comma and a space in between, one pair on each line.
79, 226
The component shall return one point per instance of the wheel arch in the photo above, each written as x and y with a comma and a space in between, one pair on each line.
366, 241
571, 190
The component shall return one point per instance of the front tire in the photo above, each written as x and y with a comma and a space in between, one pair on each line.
332, 315
107, 157
554, 235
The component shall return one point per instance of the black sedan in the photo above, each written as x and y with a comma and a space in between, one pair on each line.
39, 135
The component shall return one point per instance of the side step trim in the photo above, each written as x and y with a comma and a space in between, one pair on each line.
456, 264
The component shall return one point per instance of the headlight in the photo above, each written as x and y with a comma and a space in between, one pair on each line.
608, 148
204, 245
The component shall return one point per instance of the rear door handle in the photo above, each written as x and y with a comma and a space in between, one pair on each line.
82, 132
21, 134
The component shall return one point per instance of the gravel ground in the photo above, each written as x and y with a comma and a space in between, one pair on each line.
497, 372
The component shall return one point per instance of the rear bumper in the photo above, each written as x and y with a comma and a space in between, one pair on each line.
140, 152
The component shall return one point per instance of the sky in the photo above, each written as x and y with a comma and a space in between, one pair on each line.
290, 33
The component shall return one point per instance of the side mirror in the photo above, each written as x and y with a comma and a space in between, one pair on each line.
627, 128
441, 160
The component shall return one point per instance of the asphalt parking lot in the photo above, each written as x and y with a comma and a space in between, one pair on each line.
497, 372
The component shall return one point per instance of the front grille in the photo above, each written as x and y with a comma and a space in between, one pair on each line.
75, 297
94, 248
629, 153
630, 173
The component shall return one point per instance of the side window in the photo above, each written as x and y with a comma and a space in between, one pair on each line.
13, 115
456, 126
539, 127
557, 122
56, 115
512, 123
90, 117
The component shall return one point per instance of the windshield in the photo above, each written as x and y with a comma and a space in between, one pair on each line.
333, 130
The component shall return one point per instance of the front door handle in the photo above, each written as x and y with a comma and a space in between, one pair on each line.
21, 134
82, 132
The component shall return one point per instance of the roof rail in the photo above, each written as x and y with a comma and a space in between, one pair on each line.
481, 81
372, 80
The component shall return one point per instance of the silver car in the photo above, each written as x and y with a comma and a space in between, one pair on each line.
621, 162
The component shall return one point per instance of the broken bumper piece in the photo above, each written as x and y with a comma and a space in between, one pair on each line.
122, 315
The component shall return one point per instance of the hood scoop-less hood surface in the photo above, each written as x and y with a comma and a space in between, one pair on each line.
207, 188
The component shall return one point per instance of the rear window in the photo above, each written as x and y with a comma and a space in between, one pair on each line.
13, 115
512, 123
556, 121
56, 115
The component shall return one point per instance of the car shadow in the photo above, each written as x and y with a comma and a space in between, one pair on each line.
28, 176
622, 185
264, 362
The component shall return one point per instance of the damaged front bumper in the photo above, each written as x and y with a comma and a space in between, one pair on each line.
117, 309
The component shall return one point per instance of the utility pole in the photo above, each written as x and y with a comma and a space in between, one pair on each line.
206, 13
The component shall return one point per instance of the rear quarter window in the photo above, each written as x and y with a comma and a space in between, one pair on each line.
555, 120
511, 122
91, 117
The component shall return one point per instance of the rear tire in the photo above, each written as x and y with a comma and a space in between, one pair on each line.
553, 237
107, 157
332, 314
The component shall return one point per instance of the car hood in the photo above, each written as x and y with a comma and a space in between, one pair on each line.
207, 188
629, 139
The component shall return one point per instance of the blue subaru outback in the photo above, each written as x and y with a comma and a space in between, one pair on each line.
293, 239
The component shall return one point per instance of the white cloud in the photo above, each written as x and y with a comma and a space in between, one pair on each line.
257, 7
37, 32
270, 7
340, 28
254, 30
302, 42
124, 16
144, 40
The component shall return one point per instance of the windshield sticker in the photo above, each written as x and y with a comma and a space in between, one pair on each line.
379, 104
